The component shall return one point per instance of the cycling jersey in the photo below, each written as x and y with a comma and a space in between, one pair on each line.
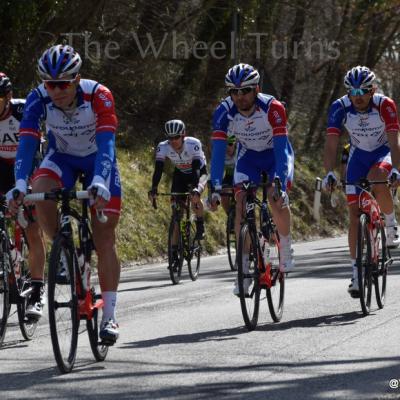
367, 130
9, 127
263, 131
192, 150
82, 140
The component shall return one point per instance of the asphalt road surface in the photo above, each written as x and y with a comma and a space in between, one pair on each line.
189, 341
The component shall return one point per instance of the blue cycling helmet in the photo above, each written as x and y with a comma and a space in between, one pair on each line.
242, 75
359, 78
58, 62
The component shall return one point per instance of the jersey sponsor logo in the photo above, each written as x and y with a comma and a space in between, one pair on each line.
277, 117
108, 103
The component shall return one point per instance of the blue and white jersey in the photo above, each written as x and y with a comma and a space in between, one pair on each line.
367, 130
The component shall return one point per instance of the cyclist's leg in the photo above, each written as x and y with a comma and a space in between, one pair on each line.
180, 184
109, 267
357, 168
197, 204
380, 171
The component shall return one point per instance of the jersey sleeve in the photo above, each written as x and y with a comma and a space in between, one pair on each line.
277, 118
389, 116
104, 108
197, 150
161, 152
32, 116
336, 116
220, 123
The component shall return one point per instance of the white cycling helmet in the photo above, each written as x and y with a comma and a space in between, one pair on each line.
58, 62
174, 127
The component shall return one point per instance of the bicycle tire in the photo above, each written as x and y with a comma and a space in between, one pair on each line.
194, 258
27, 326
364, 265
249, 291
175, 261
231, 239
4, 295
99, 350
380, 273
62, 296
275, 293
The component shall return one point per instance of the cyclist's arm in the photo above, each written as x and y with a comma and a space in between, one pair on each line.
389, 116
219, 144
196, 165
29, 139
106, 125
158, 170
278, 121
336, 116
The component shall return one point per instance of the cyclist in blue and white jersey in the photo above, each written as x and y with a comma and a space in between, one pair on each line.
81, 123
11, 111
258, 121
186, 154
373, 127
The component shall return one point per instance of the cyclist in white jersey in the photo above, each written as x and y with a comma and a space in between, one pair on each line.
186, 153
373, 127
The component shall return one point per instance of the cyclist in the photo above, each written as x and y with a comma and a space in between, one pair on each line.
227, 181
258, 122
10, 117
371, 121
190, 172
80, 121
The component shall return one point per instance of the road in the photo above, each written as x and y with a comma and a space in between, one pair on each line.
189, 341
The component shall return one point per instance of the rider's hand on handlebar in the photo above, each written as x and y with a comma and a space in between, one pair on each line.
330, 181
15, 199
283, 200
101, 195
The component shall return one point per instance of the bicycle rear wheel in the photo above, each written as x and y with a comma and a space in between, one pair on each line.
27, 325
194, 254
63, 305
175, 253
275, 293
99, 350
231, 239
364, 265
248, 277
380, 273
4, 295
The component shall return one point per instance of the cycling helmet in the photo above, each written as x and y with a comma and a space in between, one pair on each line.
59, 62
242, 75
174, 127
5, 84
359, 78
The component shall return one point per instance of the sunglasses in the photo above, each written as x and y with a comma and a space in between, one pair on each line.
358, 92
62, 85
242, 91
174, 137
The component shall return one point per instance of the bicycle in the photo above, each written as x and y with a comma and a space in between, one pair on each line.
230, 228
15, 282
71, 296
373, 256
185, 246
261, 246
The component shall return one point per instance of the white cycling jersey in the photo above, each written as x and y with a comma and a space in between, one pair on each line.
191, 150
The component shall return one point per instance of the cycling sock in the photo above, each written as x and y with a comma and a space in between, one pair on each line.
110, 300
390, 219
354, 268
37, 286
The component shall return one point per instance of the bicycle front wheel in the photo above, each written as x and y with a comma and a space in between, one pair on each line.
99, 350
231, 239
4, 295
364, 265
275, 293
175, 252
248, 277
63, 304
194, 255
381, 270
